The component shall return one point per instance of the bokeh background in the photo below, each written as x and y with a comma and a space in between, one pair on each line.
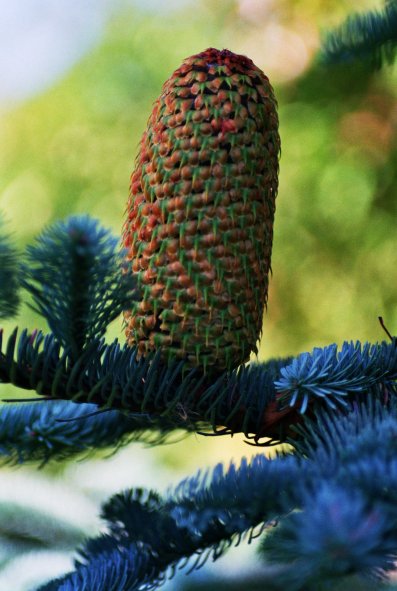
77, 82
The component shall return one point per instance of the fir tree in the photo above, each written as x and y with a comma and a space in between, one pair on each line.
326, 512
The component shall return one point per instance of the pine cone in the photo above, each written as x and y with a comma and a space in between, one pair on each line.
200, 214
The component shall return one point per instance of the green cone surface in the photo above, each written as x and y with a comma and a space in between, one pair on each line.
200, 215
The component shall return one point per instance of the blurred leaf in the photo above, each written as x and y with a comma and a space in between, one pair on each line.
31, 529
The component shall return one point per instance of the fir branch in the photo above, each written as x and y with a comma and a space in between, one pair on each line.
9, 276
203, 511
346, 523
370, 37
348, 507
169, 530
74, 273
261, 400
332, 375
336, 533
203, 502
58, 430
127, 570
365, 430
111, 376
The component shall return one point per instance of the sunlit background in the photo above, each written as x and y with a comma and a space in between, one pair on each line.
77, 82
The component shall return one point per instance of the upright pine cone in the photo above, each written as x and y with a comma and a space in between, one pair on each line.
200, 214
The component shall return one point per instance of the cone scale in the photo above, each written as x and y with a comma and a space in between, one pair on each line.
200, 214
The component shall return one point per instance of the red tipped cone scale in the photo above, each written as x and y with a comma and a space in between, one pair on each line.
200, 214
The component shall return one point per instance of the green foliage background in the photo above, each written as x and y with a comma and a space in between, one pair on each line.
72, 148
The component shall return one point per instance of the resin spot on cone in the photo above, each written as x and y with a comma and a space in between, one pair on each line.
200, 214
